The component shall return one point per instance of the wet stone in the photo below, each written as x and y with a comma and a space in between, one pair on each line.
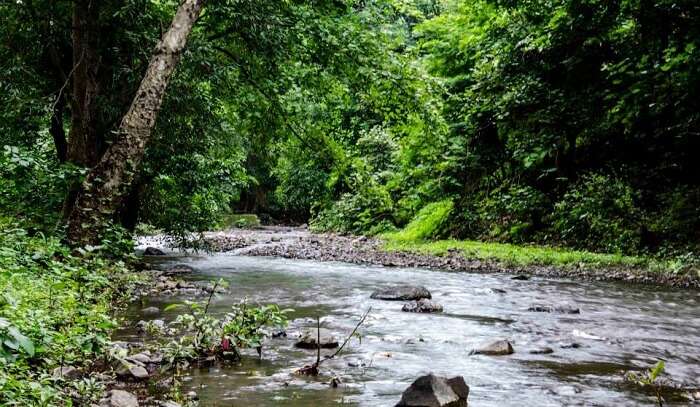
435, 391
545, 350
153, 251
401, 293
497, 348
309, 340
423, 306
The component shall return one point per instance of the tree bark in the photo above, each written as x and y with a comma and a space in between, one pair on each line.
102, 191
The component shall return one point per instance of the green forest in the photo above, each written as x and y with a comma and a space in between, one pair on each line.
534, 132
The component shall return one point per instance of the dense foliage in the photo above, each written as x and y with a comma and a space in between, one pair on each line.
54, 311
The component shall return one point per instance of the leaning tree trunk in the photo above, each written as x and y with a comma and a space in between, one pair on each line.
102, 191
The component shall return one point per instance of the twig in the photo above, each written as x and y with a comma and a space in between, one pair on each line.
340, 349
318, 340
312, 370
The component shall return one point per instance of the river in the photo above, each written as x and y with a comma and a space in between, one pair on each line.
619, 328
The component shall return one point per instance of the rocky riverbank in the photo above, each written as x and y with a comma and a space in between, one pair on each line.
299, 243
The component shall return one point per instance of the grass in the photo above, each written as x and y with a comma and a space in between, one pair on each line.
521, 255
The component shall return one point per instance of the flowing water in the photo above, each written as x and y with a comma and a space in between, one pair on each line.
619, 328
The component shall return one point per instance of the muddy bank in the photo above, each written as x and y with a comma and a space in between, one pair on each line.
299, 243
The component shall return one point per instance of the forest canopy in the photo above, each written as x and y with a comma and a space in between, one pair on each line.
565, 122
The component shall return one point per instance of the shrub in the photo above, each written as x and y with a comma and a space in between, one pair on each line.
512, 213
599, 213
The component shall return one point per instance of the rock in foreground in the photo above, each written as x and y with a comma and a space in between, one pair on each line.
309, 340
497, 348
435, 391
422, 305
120, 398
401, 293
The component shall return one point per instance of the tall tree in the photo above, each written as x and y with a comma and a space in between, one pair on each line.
103, 189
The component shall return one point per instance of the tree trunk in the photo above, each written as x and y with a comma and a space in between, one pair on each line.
83, 139
101, 193
57, 132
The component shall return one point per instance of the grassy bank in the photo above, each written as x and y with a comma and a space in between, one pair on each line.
531, 255
416, 238
55, 310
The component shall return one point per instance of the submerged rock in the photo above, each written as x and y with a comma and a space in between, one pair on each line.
120, 398
422, 305
497, 348
560, 309
435, 391
521, 277
401, 293
309, 340
179, 269
545, 350
153, 251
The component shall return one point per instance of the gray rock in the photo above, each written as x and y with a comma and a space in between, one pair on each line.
422, 305
140, 357
133, 371
435, 391
120, 398
521, 277
497, 348
66, 372
153, 251
401, 293
309, 340
150, 311
169, 403
561, 309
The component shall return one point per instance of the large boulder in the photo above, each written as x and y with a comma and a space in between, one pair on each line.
497, 348
120, 398
422, 305
310, 340
401, 293
435, 391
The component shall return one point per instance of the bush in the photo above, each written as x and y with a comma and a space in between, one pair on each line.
598, 213
368, 209
512, 213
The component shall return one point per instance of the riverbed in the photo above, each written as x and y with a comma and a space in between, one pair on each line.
619, 328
